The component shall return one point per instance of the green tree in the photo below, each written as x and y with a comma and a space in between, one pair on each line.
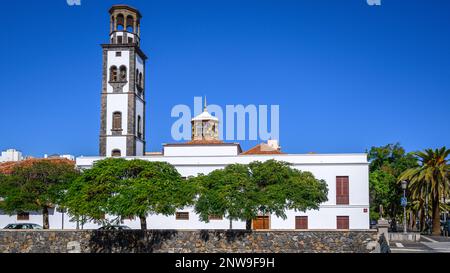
128, 188
229, 193
151, 188
430, 178
281, 188
383, 191
88, 197
243, 191
36, 186
386, 164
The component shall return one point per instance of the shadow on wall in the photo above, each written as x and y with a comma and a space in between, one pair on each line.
128, 241
230, 235
384, 245
147, 242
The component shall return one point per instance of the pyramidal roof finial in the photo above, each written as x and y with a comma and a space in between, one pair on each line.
205, 109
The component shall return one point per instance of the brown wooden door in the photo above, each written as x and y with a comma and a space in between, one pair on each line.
342, 190
262, 222
343, 222
301, 222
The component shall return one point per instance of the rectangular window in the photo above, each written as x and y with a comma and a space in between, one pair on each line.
23, 216
301, 222
118, 54
130, 40
117, 121
139, 127
182, 216
343, 222
342, 190
261, 222
215, 217
119, 39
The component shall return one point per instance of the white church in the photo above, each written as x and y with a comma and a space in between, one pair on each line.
123, 135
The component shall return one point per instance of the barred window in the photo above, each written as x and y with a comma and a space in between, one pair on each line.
23, 216
116, 153
182, 216
215, 217
113, 73
117, 121
123, 73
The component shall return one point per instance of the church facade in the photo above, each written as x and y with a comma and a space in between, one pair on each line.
123, 135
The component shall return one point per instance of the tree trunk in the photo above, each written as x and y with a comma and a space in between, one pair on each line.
248, 225
436, 218
45, 218
231, 224
422, 219
143, 220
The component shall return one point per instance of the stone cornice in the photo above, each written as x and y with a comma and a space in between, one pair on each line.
118, 47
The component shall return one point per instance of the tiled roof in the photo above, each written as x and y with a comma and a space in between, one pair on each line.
204, 142
8, 167
262, 149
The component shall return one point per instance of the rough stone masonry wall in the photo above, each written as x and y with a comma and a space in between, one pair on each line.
172, 241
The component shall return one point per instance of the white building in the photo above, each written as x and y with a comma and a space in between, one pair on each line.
122, 135
68, 157
347, 176
11, 155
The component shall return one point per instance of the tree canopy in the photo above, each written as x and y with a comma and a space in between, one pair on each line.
430, 180
36, 185
386, 164
241, 192
126, 189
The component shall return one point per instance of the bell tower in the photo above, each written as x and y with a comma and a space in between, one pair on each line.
205, 127
122, 130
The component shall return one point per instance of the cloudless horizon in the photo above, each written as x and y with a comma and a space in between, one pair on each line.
347, 76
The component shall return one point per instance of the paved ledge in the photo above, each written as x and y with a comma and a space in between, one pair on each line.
401, 237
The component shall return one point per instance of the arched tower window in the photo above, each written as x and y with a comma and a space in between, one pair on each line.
117, 121
116, 153
120, 22
139, 127
141, 80
130, 24
113, 73
123, 73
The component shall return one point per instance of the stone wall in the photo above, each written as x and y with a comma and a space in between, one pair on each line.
176, 241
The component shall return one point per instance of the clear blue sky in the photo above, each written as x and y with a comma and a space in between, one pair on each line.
347, 76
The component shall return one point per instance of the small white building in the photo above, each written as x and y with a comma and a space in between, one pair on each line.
11, 155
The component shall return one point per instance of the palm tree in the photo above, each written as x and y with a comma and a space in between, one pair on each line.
431, 179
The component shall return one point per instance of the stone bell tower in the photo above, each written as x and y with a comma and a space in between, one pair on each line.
122, 131
205, 127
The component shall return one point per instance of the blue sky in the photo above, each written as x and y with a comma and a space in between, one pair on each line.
347, 76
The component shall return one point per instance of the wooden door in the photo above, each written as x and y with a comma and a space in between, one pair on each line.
262, 222
301, 222
343, 222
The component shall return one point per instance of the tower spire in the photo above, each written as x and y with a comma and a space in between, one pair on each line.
205, 108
